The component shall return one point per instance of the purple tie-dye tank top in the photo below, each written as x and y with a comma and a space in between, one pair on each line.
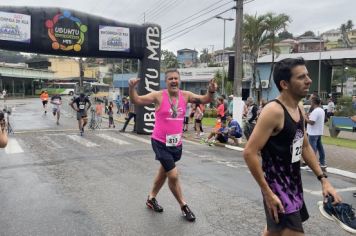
281, 162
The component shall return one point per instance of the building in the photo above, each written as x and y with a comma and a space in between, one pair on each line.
328, 61
19, 79
310, 45
187, 58
195, 80
332, 35
287, 46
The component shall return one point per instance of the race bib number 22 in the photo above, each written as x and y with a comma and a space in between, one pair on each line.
297, 150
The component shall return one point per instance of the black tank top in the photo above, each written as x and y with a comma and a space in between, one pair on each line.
281, 162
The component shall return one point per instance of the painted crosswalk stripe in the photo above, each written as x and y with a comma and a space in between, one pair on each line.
137, 138
82, 140
49, 142
13, 146
111, 139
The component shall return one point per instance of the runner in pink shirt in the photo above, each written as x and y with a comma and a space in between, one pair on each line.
167, 134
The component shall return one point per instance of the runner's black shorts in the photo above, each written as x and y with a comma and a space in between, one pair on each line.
44, 102
186, 120
293, 221
81, 114
167, 156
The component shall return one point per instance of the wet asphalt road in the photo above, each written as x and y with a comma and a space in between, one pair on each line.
54, 182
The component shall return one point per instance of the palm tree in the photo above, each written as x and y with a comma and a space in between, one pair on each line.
254, 30
275, 23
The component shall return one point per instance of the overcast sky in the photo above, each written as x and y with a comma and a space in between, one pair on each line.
315, 15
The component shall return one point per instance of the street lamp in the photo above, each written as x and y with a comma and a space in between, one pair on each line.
223, 52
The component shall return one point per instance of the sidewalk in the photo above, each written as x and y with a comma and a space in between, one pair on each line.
339, 159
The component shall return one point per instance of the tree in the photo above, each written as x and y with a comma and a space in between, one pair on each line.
205, 57
285, 35
255, 35
275, 23
169, 60
345, 29
349, 25
308, 33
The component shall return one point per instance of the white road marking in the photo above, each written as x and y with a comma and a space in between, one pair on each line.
319, 193
234, 147
13, 146
111, 139
341, 172
49, 142
82, 141
136, 138
335, 171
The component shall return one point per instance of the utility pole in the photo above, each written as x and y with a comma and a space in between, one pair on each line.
238, 104
238, 49
223, 54
81, 75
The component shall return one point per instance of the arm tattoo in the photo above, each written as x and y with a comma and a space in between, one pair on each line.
196, 100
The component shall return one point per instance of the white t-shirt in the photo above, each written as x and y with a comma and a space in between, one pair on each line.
331, 106
318, 116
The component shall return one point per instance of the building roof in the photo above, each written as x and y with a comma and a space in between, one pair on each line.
332, 31
187, 50
346, 55
310, 40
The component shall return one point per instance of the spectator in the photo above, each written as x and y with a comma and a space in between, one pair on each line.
221, 109
315, 129
231, 105
235, 131
221, 135
198, 116
251, 117
331, 108
186, 116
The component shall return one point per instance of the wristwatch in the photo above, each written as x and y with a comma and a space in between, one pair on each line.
323, 175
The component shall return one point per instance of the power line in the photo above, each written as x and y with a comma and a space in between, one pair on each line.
165, 12
162, 7
185, 19
192, 27
152, 8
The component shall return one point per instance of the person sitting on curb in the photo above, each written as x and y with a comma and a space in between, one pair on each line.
221, 135
235, 131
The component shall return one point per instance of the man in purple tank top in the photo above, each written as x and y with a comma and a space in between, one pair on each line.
167, 134
280, 137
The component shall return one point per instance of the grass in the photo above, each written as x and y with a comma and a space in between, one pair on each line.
210, 122
339, 142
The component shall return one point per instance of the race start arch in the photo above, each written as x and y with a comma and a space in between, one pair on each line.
71, 33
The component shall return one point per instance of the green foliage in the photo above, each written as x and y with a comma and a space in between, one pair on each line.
169, 60
308, 33
285, 35
344, 107
107, 80
205, 56
210, 112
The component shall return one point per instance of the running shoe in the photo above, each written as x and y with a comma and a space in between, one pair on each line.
153, 204
345, 217
187, 213
326, 208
